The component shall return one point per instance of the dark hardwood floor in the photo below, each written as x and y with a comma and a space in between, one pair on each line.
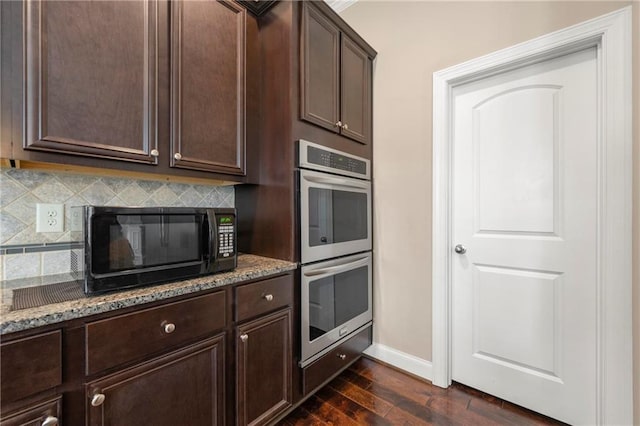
369, 393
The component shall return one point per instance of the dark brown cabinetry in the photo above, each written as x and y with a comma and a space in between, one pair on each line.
185, 387
264, 356
264, 350
157, 86
47, 413
31, 369
177, 362
335, 78
90, 78
208, 86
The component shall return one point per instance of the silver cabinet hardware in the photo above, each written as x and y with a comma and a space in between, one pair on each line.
268, 297
97, 399
50, 421
460, 249
345, 126
342, 356
244, 337
339, 124
168, 327
177, 156
154, 153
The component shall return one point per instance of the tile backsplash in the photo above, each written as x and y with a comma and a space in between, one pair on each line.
26, 253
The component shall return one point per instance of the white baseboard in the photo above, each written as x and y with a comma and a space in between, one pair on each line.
409, 363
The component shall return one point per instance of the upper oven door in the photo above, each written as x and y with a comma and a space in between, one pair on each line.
335, 216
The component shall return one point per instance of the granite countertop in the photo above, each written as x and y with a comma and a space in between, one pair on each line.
249, 267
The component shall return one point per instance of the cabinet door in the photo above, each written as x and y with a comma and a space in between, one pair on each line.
208, 86
320, 69
45, 413
263, 368
90, 78
355, 91
185, 387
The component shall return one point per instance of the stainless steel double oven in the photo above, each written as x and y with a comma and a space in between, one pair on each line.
335, 247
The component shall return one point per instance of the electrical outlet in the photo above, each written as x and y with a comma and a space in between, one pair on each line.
49, 217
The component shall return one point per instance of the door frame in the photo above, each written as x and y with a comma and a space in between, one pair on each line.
610, 34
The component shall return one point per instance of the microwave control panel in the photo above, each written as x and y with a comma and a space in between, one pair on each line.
226, 236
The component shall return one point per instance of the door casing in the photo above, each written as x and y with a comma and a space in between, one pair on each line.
610, 34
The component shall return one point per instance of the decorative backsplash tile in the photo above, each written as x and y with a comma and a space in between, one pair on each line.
26, 253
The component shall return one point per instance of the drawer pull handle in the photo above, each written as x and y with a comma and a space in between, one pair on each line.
342, 356
50, 421
168, 327
97, 399
154, 153
268, 297
244, 337
177, 156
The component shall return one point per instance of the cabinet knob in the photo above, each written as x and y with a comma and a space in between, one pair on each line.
345, 126
154, 153
339, 124
50, 421
342, 356
177, 156
97, 399
244, 337
268, 297
168, 327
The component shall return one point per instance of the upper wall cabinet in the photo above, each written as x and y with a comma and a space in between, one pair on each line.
158, 86
208, 86
335, 78
90, 78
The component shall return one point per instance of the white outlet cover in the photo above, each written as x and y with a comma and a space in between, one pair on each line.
49, 217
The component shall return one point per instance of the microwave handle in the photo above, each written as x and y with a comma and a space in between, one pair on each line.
337, 181
338, 268
213, 239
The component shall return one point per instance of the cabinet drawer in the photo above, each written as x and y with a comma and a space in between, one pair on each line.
134, 336
30, 365
35, 414
264, 296
335, 360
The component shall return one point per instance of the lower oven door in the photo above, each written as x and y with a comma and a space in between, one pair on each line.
336, 300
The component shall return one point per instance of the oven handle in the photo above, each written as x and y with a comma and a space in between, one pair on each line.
348, 183
332, 270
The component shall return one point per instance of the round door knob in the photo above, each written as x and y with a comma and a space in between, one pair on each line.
345, 126
342, 356
168, 327
244, 337
154, 153
177, 156
97, 399
50, 421
268, 297
339, 124
460, 249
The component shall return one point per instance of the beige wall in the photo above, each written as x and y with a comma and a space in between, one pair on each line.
413, 40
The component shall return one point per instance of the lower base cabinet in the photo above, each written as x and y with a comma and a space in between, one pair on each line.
185, 387
264, 357
46, 413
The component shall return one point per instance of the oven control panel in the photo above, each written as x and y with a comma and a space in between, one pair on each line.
317, 157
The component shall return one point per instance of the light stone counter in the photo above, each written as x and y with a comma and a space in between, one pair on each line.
249, 267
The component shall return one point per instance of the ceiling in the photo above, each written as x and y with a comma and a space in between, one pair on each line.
340, 5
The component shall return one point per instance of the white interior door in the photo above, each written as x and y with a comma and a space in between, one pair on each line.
525, 209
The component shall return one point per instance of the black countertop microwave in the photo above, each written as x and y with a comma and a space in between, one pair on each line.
126, 247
